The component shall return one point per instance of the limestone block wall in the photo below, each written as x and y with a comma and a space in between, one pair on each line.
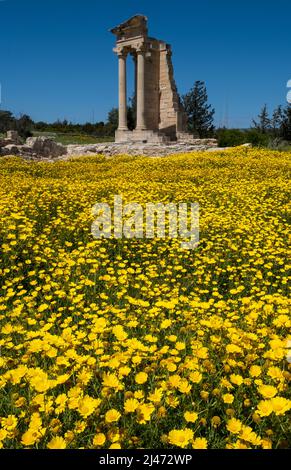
152, 90
172, 119
163, 110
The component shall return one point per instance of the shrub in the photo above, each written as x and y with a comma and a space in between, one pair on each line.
235, 137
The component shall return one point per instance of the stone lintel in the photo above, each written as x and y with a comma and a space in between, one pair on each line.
130, 46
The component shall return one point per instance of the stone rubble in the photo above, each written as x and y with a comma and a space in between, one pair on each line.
135, 148
44, 148
34, 147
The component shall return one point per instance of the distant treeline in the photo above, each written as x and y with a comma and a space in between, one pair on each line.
272, 131
26, 126
98, 129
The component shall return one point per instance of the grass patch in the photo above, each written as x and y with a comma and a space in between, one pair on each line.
74, 139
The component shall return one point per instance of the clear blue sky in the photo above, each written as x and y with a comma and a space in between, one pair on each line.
56, 58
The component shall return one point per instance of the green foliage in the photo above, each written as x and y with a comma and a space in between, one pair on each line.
230, 137
70, 139
131, 120
278, 144
277, 127
99, 129
276, 121
131, 113
113, 118
263, 124
256, 138
271, 132
199, 113
235, 137
286, 124
131, 116
81, 139
23, 125
7, 121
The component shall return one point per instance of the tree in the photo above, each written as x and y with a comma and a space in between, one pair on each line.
277, 119
264, 122
234, 137
131, 112
24, 126
286, 123
40, 126
199, 113
113, 118
131, 115
88, 128
7, 121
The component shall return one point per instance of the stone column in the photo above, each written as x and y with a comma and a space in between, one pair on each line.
122, 126
140, 112
135, 85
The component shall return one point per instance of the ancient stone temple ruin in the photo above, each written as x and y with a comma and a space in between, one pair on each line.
159, 113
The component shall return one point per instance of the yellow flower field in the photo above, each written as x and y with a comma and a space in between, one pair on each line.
139, 343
